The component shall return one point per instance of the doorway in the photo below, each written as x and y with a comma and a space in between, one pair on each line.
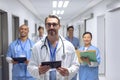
101, 42
15, 27
4, 72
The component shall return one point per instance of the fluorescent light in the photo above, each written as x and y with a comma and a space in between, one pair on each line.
65, 4
60, 3
62, 12
54, 4
54, 12
58, 11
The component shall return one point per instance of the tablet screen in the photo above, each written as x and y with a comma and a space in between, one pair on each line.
20, 59
52, 64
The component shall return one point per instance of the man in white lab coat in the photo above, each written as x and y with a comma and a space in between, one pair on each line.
53, 48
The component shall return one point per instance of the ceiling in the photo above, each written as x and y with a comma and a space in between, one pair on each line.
42, 8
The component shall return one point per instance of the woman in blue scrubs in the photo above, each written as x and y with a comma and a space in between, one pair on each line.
21, 47
89, 71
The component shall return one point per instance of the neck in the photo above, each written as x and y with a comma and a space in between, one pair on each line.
87, 45
53, 40
70, 37
23, 38
40, 35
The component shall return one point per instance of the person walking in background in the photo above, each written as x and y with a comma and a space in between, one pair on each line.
53, 48
41, 34
89, 71
20, 48
75, 41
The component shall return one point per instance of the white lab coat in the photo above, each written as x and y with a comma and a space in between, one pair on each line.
37, 38
69, 59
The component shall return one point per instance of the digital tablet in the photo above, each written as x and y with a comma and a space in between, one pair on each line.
52, 64
20, 59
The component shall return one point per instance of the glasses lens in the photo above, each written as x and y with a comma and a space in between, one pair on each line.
53, 24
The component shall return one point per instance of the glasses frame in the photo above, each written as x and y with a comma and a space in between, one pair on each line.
53, 24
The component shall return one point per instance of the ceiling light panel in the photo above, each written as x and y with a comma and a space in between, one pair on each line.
54, 4
54, 12
60, 4
62, 12
65, 4
58, 12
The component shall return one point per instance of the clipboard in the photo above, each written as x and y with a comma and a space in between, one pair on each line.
52, 64
20, 59
91, 54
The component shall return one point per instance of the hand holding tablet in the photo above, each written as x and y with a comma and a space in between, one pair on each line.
20, 59
52, 64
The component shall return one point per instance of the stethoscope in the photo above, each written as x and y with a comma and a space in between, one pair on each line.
17, 46
44, 46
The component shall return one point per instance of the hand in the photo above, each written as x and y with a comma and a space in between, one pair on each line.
85, 59
43, 69
26, 62
63, 71
14, 62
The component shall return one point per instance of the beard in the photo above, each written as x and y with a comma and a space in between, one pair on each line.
52, 32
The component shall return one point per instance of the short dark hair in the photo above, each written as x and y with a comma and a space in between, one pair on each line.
40, 27
52, 16
70, 27
87, 33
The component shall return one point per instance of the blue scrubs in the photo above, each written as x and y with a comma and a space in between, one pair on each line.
75, 41
20, 49
86, 72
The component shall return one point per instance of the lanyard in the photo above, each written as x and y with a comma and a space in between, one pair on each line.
52, 51
22, 46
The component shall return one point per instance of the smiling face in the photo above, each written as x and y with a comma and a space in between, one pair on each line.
23, 31
87, 39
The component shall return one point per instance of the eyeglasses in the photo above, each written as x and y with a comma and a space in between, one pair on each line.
53, 24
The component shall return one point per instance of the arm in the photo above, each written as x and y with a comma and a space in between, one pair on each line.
33, 65
9, 55
69, 72
95, 64
73, 69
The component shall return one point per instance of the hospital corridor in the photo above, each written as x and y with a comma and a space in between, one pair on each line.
93, 22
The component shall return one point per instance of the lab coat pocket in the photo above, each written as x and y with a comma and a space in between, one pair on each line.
68, 59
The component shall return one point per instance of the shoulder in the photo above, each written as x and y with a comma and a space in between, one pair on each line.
81, 48
93, 47
67, 43
76, 38
14, 42
31, 41
39, 43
